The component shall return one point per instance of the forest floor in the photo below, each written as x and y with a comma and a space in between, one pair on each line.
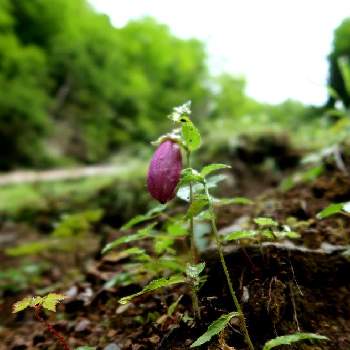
286, 286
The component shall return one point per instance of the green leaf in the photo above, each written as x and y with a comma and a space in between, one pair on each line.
120, 279
265, 222
193, 271
153, 285
332, 209
205, 215
141, 234
190, 175
151, 214
173, 306
213, 167
163, 243
287, 232
21, 305
235, 200
191, 135
36, 301
292, 338
31, 248
177, 229
51, 300
86, 348
234, 236
344, 68
198, 203
214, 328
312, 174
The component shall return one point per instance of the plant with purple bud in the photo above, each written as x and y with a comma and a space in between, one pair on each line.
166, 178
165, 171
198, 200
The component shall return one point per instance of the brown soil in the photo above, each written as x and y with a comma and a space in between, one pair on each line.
283, 286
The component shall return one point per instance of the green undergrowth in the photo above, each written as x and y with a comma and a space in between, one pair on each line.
24, 201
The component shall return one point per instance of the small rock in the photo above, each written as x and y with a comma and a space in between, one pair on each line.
112, 346
82, 326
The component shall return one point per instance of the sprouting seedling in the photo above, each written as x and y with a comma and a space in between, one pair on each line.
48, 302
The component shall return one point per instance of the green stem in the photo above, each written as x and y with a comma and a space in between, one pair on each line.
194, 253
243, 324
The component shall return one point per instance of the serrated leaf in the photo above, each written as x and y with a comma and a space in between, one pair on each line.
51, 300
191, 135
31, 248
292, 338
213, 167
21, 305
214, 328
36, 301
140, 234
234, 236
332, 209
265, 222
153, 285
193, 271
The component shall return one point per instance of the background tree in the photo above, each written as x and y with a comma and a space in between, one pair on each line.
74, 86
341, 49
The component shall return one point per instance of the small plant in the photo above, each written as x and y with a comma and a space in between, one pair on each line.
47, 302
165, 178
291, 339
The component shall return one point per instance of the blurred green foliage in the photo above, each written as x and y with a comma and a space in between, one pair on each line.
76, 89
340, 51
73, 85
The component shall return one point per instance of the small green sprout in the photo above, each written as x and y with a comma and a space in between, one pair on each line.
48, 302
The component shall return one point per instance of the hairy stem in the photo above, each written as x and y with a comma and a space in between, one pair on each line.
50, 328
243, 324
194, 253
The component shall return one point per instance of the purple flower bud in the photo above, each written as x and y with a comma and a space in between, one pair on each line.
164, 171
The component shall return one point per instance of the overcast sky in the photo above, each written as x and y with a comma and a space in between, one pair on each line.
279, 46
